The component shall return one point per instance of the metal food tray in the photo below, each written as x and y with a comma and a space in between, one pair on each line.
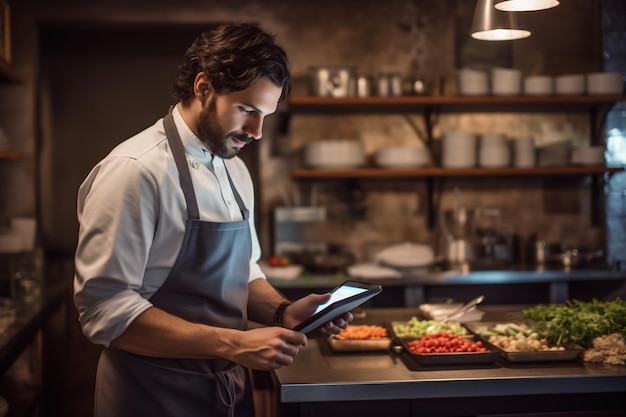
393, 324
359, 345
455, 358
571, 352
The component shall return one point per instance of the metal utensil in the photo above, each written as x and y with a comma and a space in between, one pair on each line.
467, 307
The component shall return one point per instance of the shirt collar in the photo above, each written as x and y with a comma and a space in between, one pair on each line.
192, 144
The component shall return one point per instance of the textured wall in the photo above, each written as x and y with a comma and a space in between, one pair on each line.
375, 36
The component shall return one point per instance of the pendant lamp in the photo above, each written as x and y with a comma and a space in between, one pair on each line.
525, 5
490, 24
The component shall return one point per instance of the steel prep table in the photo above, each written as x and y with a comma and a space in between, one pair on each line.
324, 383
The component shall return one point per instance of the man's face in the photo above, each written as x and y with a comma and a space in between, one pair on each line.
229, 121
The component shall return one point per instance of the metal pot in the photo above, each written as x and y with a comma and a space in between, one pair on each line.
560, 255
332, 81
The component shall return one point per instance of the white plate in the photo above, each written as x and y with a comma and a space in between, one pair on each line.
372, 271
406, 255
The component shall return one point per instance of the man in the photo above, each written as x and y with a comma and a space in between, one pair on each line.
166, 263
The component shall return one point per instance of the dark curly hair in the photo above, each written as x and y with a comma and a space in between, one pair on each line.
233, 56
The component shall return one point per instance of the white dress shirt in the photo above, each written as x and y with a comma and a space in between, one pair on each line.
132, 215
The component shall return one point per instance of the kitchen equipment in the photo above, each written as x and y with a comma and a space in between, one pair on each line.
605, 83
538, 85
364, 86
332, 81
406, 255
402, 157
332, 258
569, 84
558, 255
295, 230
389, 84
494, 151
524, 152
494, 239
466, 308
472, 82
588, 155
334, 154
506, 81
458, 150
457, 236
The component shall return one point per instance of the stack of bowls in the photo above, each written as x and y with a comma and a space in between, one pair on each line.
605, 83
334, 154
458, 150
524, 152
570, 84
473, 82
506, 81
538, 85
589, 155
402, 157
494, 151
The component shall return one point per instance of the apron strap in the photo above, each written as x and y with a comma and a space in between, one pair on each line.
173, 138
244, 211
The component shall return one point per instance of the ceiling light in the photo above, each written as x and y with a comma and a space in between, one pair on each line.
525, 5
490, 24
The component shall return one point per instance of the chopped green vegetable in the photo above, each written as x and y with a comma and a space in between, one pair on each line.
579, 321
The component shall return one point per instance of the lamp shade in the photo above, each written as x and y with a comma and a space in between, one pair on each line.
525, 5
490, 24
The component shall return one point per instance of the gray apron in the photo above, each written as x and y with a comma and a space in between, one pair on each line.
207, 284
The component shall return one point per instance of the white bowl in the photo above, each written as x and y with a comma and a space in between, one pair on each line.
458, 150
590, 155
472, 82
334, 154
538, 85
605, 83
506, 81
570, 84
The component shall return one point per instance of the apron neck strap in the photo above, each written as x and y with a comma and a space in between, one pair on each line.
173, 138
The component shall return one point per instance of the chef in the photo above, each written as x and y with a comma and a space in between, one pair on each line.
166, 263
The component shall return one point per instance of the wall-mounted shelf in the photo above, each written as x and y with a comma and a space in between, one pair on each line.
430, 172
451, 103
597, 106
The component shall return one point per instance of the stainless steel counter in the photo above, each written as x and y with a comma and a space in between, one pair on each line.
415, 282
321, 382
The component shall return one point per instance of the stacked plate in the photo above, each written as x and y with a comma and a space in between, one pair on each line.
538, 85
506, 81
472, 82
334, 154
494, 151
458, 150
557, 154
400, 157
570, 84
406, 255
589, 155
605, 83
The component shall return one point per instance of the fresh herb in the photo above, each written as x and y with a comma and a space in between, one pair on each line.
579, 321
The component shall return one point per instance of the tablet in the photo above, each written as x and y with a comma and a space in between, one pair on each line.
344, 298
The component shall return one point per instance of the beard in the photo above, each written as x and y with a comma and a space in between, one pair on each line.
213, 135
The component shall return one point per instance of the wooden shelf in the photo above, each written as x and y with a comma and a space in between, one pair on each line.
452, 103
8, 74
431, 172
10, 156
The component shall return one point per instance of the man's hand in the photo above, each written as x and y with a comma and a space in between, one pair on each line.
305, 307
265, 348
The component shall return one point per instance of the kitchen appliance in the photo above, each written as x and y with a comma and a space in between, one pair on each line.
457, 236
332, 81
295, 230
